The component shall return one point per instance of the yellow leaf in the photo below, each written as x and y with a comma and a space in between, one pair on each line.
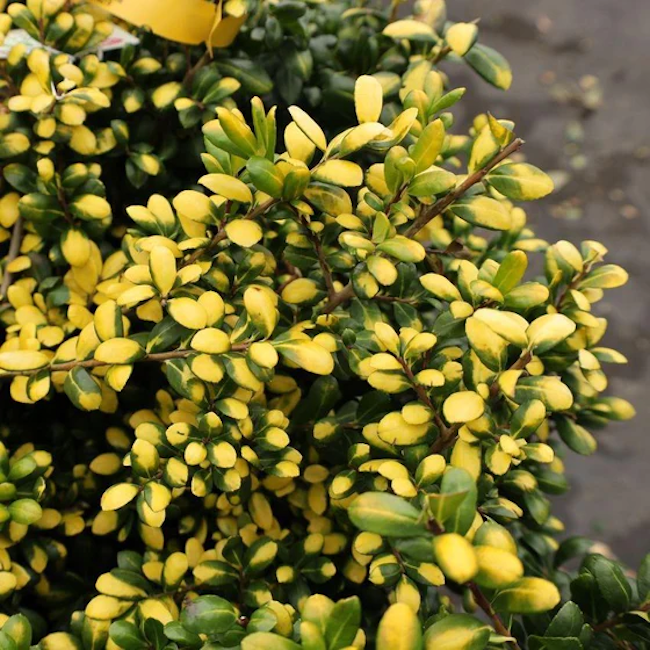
227, 186
307, 355
460, 37
119, 351
188, 313
75, 246
194, 205
302, 290
309, 127
339, 172
117, 496
456, 557
108, 321
162, 265
463, 406
409, 29
548, 330
211, 341
23, 360
297, 144
368, 99
261, 307
497, 568
399, 629
243, 232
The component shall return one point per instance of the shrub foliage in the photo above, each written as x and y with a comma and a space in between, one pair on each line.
275, 373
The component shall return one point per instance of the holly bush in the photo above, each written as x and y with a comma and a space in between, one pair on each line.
274, 371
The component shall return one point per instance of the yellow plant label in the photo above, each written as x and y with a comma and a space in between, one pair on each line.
189, 21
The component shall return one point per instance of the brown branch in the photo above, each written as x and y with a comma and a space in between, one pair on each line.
406, 301
322, 261
221, 233
442, 53
339, 298
520, 364
14, 249
442, 204
191, 73
220, 236
158, 357
427, 215
485, 605
618, 620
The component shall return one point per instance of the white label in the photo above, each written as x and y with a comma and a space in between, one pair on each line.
116, 41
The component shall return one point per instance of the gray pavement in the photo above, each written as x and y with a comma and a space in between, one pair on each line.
555, 47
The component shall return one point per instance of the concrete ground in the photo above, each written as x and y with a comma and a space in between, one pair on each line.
580, 99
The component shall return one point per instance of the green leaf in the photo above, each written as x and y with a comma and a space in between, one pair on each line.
491, 65
19, 629
208, 615
82, 389
432, 181
403, 249
611, 580
25, 511
454, 481
608, 276
175, 631
127, 636
481, 211
527, 418
643, 579
576, 437
428, 146
385, 514
457, 632
520, 181
567, 622
571, 548
511, 271
555, 395
322, 397
265, 176
252, 77
343, 623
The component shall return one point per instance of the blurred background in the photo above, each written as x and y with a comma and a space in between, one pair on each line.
580, 98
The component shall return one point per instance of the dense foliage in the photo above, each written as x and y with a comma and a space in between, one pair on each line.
274, 373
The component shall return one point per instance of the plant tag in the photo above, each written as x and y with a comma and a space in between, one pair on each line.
21, 37
191, 21
118, 39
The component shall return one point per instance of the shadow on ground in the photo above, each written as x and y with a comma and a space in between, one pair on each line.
565, 54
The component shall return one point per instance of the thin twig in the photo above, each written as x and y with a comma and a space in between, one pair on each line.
339, 298
441, 205
519, 364
427, 215
322, 260
442, 53
221, 233
14, 249
220, 236
191, 73
617, 620
158, 357
485, 605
